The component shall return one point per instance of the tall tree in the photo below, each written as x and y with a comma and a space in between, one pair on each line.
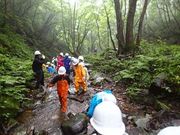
109, 28
5, 12
120, 27
126, 45
138, 39
129, 26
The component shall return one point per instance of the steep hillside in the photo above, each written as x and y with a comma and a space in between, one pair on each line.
15, 72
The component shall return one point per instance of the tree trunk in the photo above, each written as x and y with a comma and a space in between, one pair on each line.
129, 26
120, 27
138, 39
109, 28
73, 30
98, 33
5, 12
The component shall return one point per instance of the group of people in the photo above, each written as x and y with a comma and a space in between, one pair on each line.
105, 116
60, 68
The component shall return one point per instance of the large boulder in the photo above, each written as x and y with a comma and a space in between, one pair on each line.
75, 125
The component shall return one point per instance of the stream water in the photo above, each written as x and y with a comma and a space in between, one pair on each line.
45, 115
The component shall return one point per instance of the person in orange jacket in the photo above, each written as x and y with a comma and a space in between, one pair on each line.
63, 83
79, 76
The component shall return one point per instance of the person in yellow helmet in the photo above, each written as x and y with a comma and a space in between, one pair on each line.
79, 76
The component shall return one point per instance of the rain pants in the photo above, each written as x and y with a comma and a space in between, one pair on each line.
79, 78
96, 99
62, 89
86, 71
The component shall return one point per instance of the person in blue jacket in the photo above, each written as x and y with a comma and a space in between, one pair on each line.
67, 61
99, 97
50, 68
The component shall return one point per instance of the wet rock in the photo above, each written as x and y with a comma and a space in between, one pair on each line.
21, 133
99, 79
142, 122
70, 115
143, 97
137, 131
107, 79
30, 131
90, 129
163, 119
74, 97
42, 132
158, 85
75, 125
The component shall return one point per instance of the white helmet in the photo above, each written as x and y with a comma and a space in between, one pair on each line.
67, 54
82, 64
37, 53
81, 58
61, 54
109, 97
62, 70
107, 119
48, 63
170, 131
75, 61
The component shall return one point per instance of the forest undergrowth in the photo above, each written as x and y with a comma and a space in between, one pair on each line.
153, 63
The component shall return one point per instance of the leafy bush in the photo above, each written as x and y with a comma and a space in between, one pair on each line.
139, 71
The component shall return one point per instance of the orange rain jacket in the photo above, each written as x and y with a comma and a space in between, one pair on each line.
79, 78
63, 82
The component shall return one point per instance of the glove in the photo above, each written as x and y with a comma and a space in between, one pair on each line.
43, 57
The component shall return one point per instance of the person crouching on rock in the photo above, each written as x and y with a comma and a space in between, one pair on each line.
63, 83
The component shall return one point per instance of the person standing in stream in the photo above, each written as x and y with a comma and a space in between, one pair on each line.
79, 76
37, 68
63, 83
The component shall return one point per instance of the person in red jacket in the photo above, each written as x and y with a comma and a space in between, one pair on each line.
63, 83
60, 61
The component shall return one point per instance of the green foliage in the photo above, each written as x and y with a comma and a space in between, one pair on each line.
138, 72
13, 43
15, 72
13, 85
